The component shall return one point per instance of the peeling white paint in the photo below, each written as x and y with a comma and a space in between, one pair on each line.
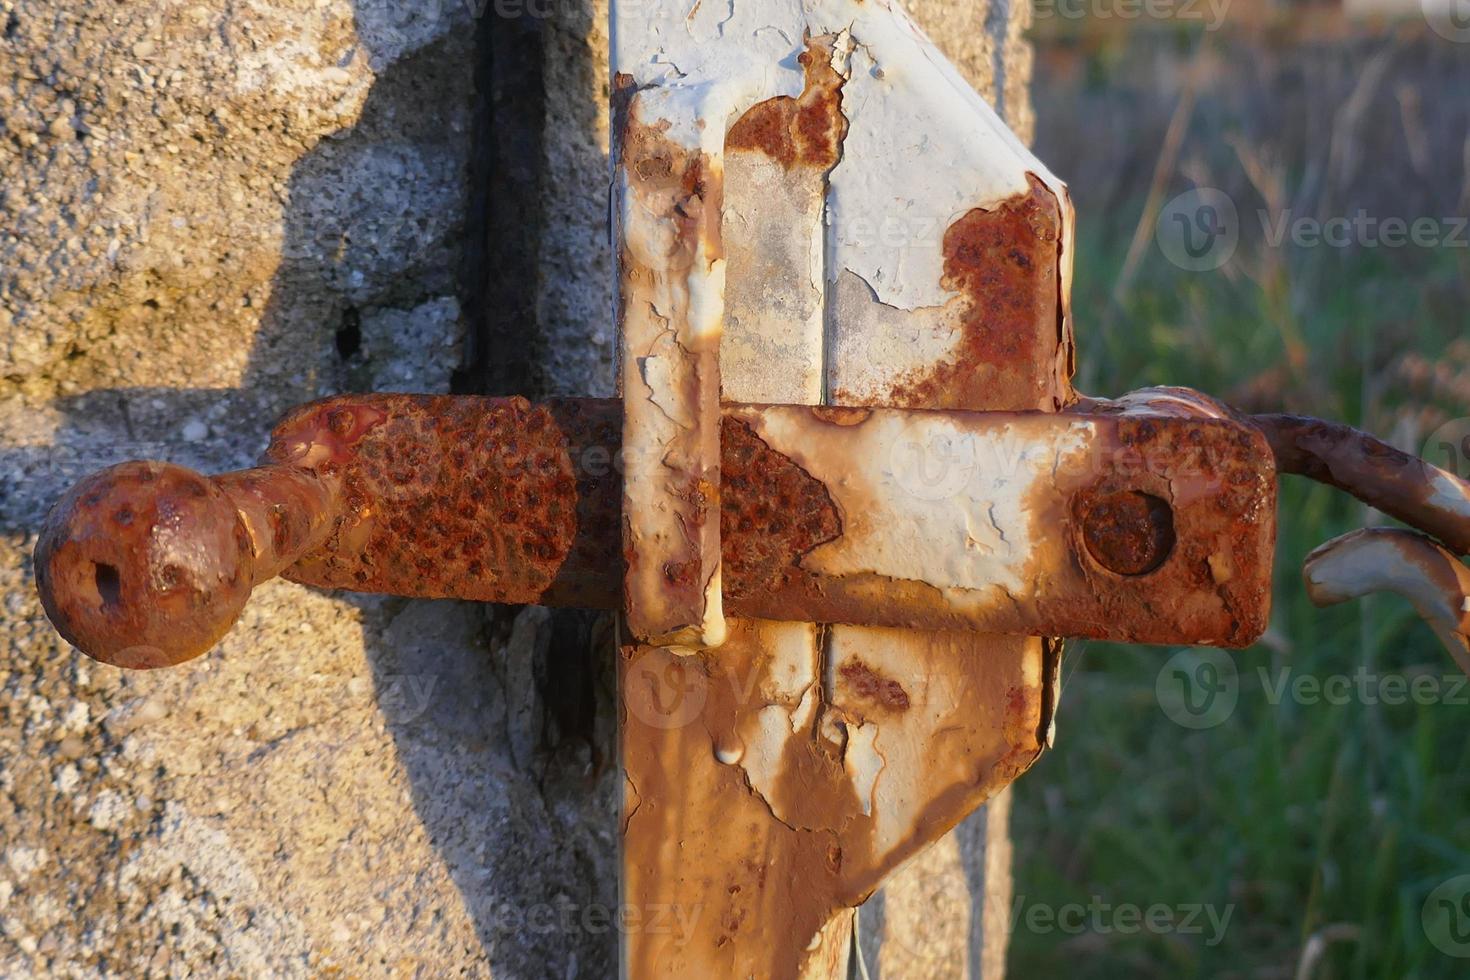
1434, 581
772, 349
901, 480
657, 375
914, 746
653, 42
1448, 494
922, 150
871, 342
671, 324
782, 705
863, 762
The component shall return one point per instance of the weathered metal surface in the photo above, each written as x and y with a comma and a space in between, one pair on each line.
1002, 273
1403, 486
759, 922
449, 496
778, 156
671, 274
1126, 531
500, 500
982, 521
838, 292
799, 771
1434, 581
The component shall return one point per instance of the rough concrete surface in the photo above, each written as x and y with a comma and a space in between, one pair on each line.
210, 211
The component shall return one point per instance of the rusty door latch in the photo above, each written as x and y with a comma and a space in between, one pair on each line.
1149, 519
847, 474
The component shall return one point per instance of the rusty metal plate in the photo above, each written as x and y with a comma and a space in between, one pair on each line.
865, 189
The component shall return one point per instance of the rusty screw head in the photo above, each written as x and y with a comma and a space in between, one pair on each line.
144, 565
1128, 532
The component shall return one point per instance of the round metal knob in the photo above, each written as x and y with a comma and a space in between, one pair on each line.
144, 565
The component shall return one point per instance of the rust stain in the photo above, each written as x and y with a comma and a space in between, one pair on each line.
504, 501
841, 414
824, 855
806, 131
1003, 263
869, 687
1432, 578
144, 565
1127, 532
1218, 478
772, 513
679, 184
1161, 532
758, 888
670, 200
444, 497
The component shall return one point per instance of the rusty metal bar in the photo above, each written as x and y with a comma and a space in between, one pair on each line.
1150, 529
1406, 487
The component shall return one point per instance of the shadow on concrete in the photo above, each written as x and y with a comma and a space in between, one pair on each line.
501, 718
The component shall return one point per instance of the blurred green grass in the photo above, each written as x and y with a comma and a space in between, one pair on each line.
1306, 820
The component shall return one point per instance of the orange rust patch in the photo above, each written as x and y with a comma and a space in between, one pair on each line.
1128, 532
771, 513
1213, 583
841, 415
805, 131
869, 686
1381, 475
670, 198
1004, 264
678, 184
443, 497
144, 565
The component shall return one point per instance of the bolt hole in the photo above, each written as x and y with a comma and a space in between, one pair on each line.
1131, 533
109, 586
349, 334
